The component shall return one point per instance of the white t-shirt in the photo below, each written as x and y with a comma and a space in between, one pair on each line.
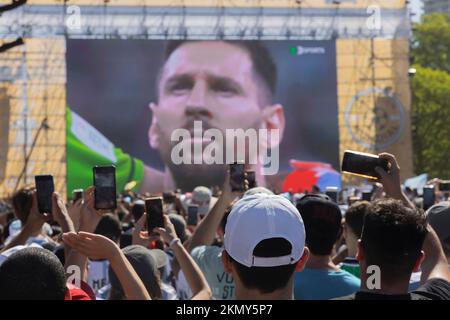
98, 275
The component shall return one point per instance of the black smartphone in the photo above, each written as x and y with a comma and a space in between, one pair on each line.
237, 177
251, 179
77, 194
366, 195
192, 219
44, 190
154, 209
444, 186
332, 192
428, 197
105, 187
363, 164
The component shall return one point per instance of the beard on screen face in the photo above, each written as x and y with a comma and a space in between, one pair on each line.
188, 176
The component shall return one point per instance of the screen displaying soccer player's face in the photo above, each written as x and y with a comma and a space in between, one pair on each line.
213, 82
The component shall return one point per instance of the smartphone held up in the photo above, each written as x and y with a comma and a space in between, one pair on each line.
44, 190
237, 176
363, 164
105, 197
154, 209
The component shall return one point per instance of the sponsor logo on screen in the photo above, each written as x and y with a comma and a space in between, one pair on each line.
301, 50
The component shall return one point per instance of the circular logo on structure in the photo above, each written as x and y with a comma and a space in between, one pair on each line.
375, 118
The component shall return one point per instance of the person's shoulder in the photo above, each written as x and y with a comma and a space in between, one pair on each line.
206, 250
348, 276
198, 251
434, 289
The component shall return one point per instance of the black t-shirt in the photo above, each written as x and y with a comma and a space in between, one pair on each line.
433, 289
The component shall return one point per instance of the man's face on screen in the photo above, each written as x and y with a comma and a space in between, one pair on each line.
211, 82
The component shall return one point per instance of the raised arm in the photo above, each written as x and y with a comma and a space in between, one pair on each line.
435, 263
206, 230
86, 219
391, 180
33, 225
96, 246
194, 276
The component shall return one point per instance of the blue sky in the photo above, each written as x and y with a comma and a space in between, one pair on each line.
416, 7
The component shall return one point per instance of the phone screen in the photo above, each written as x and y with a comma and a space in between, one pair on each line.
105, 187
366, 195
154, 209
251, 178
428, 197
77, 195
444, 186
192, 215
44, 190
332, 193
237, 177
363, 164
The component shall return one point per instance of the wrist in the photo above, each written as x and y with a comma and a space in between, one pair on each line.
115, 256
174, 242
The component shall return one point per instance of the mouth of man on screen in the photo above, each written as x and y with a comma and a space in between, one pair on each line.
211, 146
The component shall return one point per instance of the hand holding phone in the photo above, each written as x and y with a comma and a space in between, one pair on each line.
44, 190
154, 209
77, 194
363, 164
237, 177
429, 196
251, 179
192, 219
105, 197
444, 185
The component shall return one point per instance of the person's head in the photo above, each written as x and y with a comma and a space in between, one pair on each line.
22, 200
202, 197
264, 246
354, 220
223, 223
109, 226
32, 274
180, 226
438, 216
147, 264
322, 218
224, 84
392, 239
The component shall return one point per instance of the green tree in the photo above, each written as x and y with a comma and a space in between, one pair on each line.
431, 95
431, 41
431, 122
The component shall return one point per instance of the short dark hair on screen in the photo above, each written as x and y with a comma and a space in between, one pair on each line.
263, 62
32, 274
267, 279
392, 237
